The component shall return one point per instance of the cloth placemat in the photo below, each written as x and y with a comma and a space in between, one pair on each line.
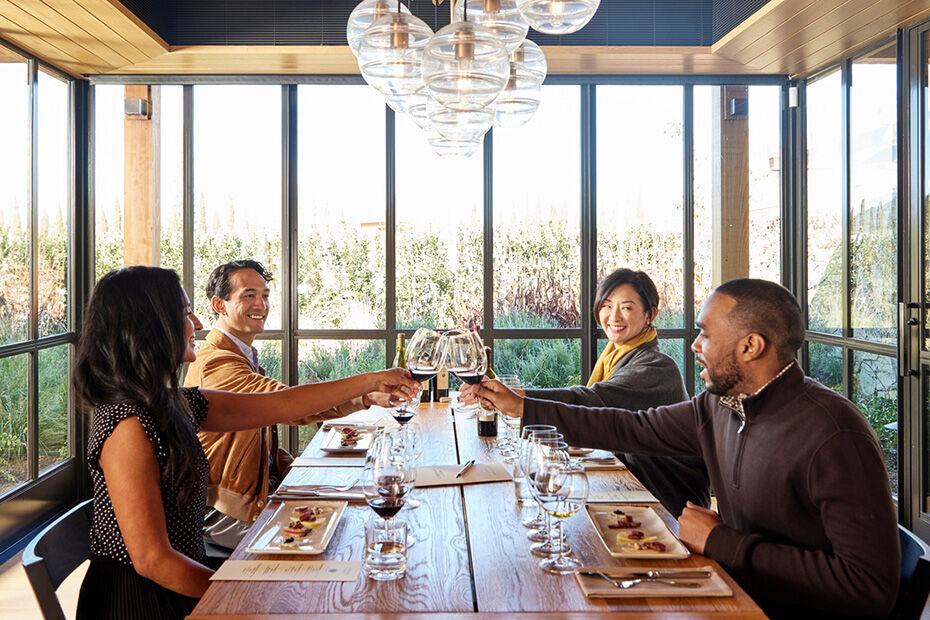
442, 475
597, 587
620, 495
329, 461
287, 570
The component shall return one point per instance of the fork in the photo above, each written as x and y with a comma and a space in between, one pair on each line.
316, 489
625, 584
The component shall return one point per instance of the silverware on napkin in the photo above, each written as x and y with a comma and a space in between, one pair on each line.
624, 584
347, 495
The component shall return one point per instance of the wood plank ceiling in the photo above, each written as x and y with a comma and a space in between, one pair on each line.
788, 37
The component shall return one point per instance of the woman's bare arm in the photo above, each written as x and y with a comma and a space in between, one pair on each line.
133, 482
231, 411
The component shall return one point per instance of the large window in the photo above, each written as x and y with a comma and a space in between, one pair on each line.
36, 430
369, 232
852, 211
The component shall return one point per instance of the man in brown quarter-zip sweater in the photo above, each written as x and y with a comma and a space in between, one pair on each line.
806, 524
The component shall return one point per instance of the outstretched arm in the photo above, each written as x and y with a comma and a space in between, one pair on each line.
230, 411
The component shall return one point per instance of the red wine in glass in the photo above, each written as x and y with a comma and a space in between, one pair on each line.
402, 416
386, 507
471, 378
422, 376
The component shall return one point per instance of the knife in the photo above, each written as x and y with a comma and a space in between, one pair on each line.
324, 495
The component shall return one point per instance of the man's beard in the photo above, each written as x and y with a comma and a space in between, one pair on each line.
726, 377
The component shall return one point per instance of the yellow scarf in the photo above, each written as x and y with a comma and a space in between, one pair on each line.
613, 353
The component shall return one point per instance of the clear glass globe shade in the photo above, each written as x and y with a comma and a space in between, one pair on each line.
402, 103
418, 109
450, 149
458, 125
531, 59
558, 16
518, 103
502, 17
465, 66
391, 52
364, 15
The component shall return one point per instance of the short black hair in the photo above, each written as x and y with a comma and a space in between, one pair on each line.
641, 283
769, 309
218, 283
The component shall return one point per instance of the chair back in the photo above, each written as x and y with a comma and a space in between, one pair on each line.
915, 575
54, 554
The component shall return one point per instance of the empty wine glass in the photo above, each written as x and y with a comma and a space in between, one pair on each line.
466, 359
562, 502
519, 477
410, 437
546, 477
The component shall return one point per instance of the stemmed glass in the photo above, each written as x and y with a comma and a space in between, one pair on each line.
561, 488
387, 477
409, 436
508, 444
426, 355
466, 358
519, 479
542, 445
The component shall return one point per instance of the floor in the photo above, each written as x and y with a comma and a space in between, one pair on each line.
16, 599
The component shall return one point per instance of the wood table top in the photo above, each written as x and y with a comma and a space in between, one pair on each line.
471, 554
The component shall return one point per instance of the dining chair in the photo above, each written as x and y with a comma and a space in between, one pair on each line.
54, 554
915, 575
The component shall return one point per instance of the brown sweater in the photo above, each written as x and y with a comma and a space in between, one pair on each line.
239, 461
808, 518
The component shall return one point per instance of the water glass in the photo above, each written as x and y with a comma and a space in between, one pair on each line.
385, 549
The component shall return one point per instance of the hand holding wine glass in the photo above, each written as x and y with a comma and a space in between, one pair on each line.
467, 360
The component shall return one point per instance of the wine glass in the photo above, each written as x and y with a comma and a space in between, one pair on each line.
410, 437
426, 354
561, 490
508, 445
466, 358
519, 478
387, 476
542, 445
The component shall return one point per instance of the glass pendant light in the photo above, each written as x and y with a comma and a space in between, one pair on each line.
558, 16
363, 16
459, 125
502, 17
391, 51
520, 99
448, 149
417, 108
465, 66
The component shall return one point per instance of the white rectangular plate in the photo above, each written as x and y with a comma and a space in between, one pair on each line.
270, 539
333, 440
650, 524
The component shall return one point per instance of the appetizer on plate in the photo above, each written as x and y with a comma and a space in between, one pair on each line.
303, 520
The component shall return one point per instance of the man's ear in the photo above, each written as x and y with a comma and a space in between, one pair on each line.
218, 305
753, 346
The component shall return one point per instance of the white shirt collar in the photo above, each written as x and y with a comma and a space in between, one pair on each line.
250, 353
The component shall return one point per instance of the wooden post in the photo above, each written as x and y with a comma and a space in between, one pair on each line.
730, 138
141, 208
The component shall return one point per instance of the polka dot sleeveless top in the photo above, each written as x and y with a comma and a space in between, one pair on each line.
185, 532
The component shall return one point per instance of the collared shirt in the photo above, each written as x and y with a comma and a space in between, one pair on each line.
250, 352
736, 402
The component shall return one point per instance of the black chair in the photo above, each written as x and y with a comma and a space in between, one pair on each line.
915, 575
55, 553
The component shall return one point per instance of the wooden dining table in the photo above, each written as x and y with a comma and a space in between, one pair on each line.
471, 557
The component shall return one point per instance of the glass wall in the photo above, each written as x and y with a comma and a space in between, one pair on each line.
390, 236
852, 211
36, 429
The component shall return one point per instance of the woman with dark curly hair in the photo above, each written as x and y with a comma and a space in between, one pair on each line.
148, 469
632, 373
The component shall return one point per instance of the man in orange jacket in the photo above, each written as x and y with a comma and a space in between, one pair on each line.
244, 465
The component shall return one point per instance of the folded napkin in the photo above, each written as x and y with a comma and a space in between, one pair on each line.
329, 461
597, 587
602, 463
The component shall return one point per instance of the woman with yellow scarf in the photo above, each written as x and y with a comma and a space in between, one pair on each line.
633, 374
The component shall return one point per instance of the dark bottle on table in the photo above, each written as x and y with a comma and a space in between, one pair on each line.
487, 420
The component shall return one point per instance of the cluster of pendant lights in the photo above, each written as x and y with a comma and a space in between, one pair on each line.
478, 71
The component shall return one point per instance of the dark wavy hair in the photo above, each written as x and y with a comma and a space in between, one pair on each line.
130, 349
218, 284
641, 283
